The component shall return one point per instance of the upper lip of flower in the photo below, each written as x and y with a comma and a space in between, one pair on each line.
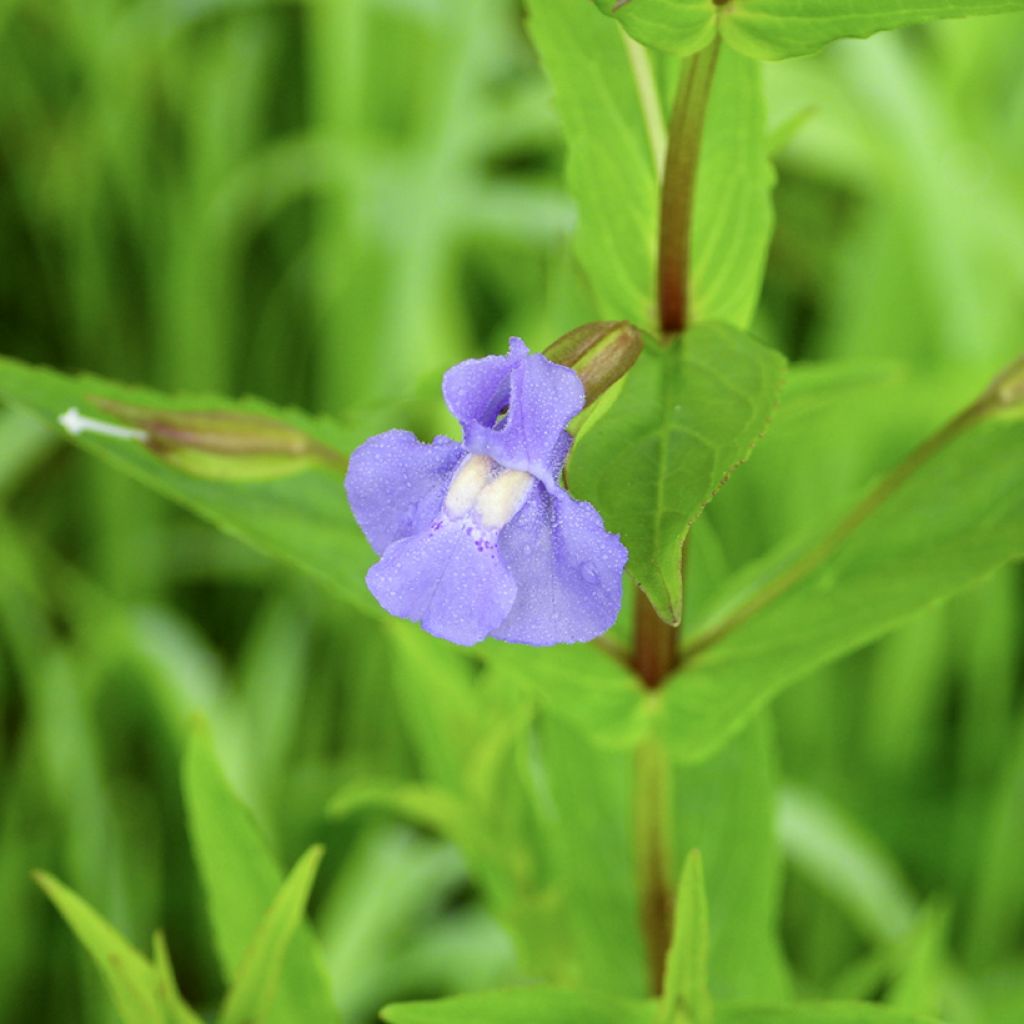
478, 538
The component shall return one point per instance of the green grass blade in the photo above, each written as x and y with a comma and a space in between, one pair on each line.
256, 983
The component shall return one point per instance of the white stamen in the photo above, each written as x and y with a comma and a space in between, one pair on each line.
467, 484
75, 423
502, 498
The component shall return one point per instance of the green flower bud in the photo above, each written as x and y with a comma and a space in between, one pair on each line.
600, 352
1007, 390
220, 444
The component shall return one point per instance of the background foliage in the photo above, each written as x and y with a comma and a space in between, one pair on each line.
324, 205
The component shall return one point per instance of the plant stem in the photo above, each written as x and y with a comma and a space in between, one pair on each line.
816, 555
678, 186
655, 642
655, 647
654, 855
655, 653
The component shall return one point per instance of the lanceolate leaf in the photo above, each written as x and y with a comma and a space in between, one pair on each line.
687, 415
587, 803
686, 993
956, 519
301, 518
252, 993
241, 881
733, 216
769, 29
614, 124
614, 127
130, 978
725, 807
177, 1010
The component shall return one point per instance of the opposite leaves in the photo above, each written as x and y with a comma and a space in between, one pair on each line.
959, 517
611, 109
681, 26
687, 415
770, 29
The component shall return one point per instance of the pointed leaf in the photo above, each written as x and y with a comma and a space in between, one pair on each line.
733, 215
614, 121
614, 127
725, 807
176, 1010
685, 991
687, 416
959, 517
768, 29
241, 879
131, 980
255, 985
301, 518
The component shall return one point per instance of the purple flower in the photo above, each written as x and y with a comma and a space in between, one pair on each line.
477, 539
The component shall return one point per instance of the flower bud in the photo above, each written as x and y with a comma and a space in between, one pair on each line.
225, 445
1007, 390
600, 352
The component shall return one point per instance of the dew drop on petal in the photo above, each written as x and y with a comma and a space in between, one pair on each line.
588, 572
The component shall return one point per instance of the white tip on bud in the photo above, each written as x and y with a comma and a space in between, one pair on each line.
75, 424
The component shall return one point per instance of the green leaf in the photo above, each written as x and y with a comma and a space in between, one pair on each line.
614, 127
955, 520
681, 26
733, 216
847, 864
241, 880
131, 980
685, 991
301, 519
427, 806
687, 416
255, 985
768, 29
523, 1006
441, 712
591, 689
725, 807
588, 814
557, 1006
818, 1013
176, 1009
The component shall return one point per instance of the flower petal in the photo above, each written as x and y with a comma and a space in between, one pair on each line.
542, 398
477, 390
396, 484
448, 578
568, 570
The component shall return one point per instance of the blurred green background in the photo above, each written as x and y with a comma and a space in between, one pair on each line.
326, 204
